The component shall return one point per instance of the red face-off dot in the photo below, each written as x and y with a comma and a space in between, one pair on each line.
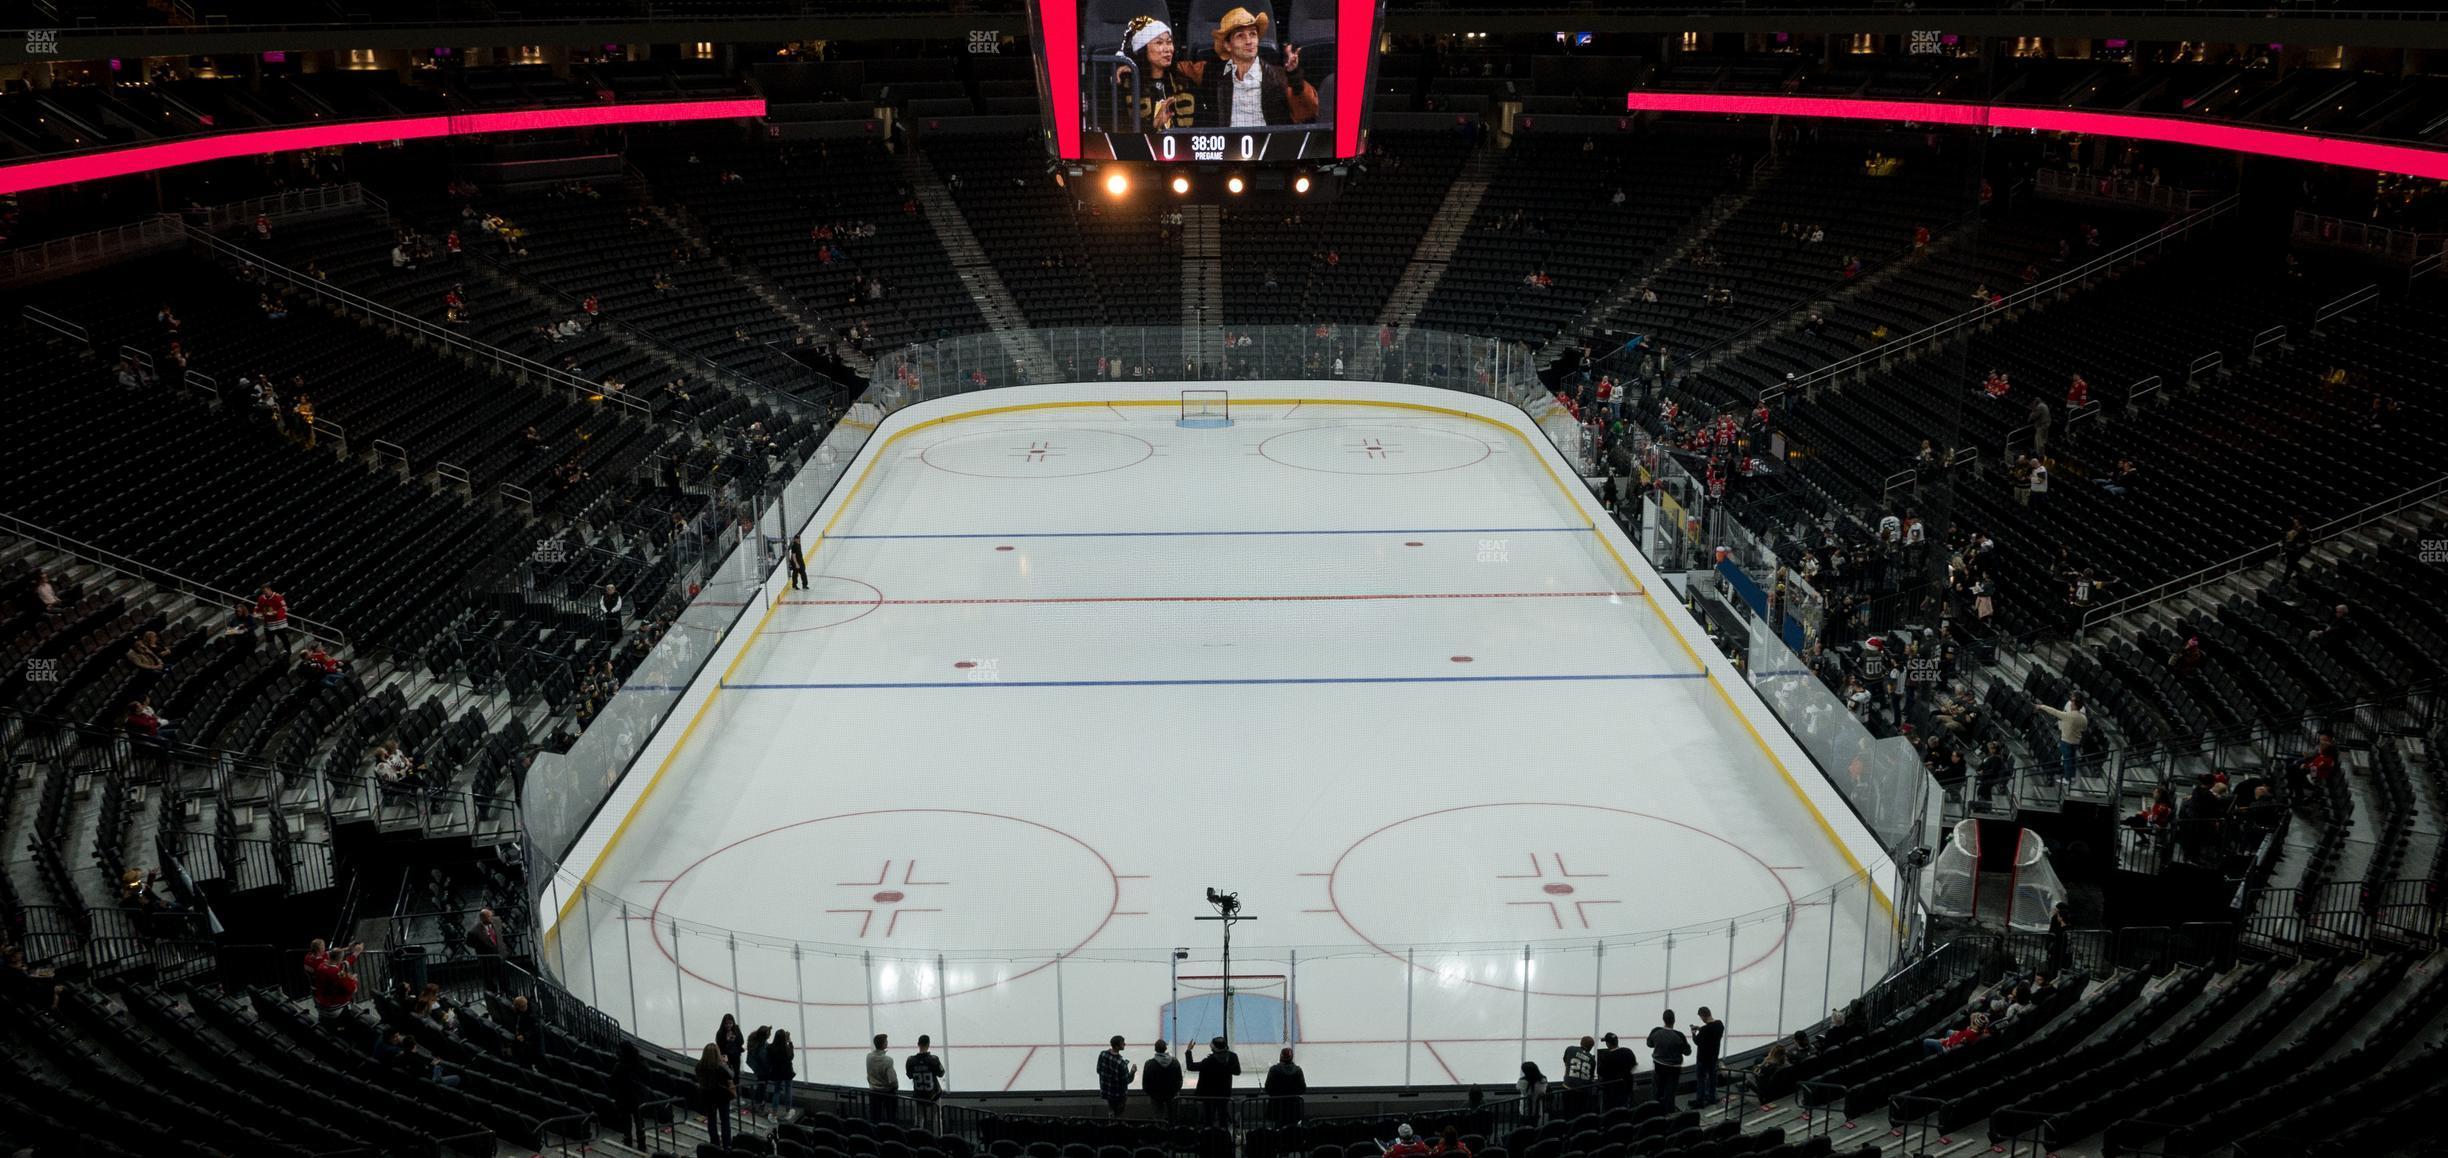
1005, 548
1461, 659
888, 897
1415, 543
1558, 889
966, 663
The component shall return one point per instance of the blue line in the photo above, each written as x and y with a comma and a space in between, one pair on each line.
1212, 534
1469, 679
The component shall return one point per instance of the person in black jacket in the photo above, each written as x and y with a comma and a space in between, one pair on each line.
1707, 1037
1161, 1077
1284, 1086
1667, 1049
1615, 1066
627, 1086
526, 1033
781, 1065
1215, 1081
715, 1088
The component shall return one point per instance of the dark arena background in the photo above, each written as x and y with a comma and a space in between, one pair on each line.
1223, 578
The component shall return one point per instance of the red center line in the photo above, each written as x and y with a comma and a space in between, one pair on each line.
1215, 598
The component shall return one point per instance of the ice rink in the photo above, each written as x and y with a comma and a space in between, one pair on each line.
1062, 667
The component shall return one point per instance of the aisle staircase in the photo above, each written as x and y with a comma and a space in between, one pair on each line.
1436, 248
977, 273
1203, 280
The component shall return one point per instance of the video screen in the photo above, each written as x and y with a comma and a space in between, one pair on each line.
1229, 81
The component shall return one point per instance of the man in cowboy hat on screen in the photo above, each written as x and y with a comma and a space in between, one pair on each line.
1242, 91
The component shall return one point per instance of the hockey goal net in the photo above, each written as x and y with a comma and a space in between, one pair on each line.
1257, 1006
1206, 408
1954, 885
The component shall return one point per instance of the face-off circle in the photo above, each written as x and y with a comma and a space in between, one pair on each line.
1375, 449
829, 601
899, 881
1542, 871
1039, 452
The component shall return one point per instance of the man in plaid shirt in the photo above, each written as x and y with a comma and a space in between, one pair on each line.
1114, 1074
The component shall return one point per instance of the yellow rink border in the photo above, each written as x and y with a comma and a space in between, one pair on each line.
1596, 529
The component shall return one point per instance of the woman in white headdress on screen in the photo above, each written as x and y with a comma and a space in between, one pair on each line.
1165, 101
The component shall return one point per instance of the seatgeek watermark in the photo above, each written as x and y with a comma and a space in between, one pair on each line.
42, 42
2433, 551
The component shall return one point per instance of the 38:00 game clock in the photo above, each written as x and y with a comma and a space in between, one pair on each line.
1290, 143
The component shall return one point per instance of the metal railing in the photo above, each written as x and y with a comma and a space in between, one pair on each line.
65, 253
2104, 612
2365, 237
35, 315
2072, 185
1940, 331
276, 206
2364, 916
113, 561
520, 366
2342, 303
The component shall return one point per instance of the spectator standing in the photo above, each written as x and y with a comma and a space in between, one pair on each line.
883, 1081
733, 1044
271, 609
1616, 1064
754, 1058
1708, 1038
2072, 722
1285, 1085
1114, 1074
2041, 420
716, 1087
526, 1033
2295, 546
781, 1066
332, 979
1667, 1049
1162, 1079
1215, 1079
1580, 1076
627, 1084
2061, 947
484, 937
610, 604
1533, 1090
926, 1071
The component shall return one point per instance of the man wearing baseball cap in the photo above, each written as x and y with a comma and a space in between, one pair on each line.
1615, 1065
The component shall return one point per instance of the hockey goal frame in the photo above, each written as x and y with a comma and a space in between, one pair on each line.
1205, 409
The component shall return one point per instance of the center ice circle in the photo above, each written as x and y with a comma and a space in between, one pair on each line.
1509, 873
897, 881
1038, 452
1375, 448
